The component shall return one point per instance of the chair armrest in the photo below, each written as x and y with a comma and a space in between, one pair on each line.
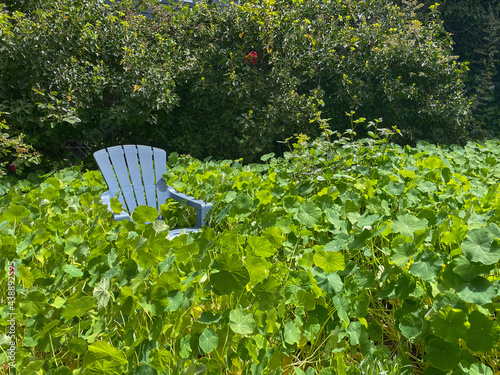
201, 207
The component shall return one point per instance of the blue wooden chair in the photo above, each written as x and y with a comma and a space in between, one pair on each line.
134, 174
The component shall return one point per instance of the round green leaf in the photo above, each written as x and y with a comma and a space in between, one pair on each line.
479, 291
230, 275
33, 303
292, 333
408, 224
411, 325
483, 333
72, 270
480, 369
309, 214
329, 261
450, 324
441, 354
479, 247
241, 323
78, 307
77, 345
208, 340
104, 359
242, 204
15, 212
145, 214
260, 246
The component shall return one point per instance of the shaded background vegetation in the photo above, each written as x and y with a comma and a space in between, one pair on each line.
234, 83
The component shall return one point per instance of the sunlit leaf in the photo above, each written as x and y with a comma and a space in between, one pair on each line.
241, 322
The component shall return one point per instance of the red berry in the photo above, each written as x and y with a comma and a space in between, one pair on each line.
12, 167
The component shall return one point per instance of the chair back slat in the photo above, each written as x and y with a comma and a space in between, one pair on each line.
160, 168
134, 169
108, 172
117, 157
148, 177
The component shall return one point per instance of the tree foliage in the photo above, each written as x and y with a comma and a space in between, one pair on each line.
230, 82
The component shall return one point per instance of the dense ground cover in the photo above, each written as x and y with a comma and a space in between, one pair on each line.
339, 258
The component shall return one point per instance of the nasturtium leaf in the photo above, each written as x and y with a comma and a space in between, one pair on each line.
159, 299
330, 283
169, 281
258, 268
433, 162
26, 276
427, 266
480, 369
483, 332
7, 246
101, 292
401, 254
232, 276
291, 333
479, 291
260, 246
291, 204
242, 204
116, 206
309, 214
77, 345
469, 270
479, 247
343, 306
72, 270
408, 224
208, 340
329, 261
426, 187
145, 214
185, 346
33, 303
241, 323
63, 370
411, 325
450, 324
405, 285
274, 235
264, 197
15, 212
306, 299
78, 307
268, 293
207, 317
357, 332
144, 368
441, 354
395, 188
102, 358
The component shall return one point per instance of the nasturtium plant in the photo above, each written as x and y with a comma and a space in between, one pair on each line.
337, 271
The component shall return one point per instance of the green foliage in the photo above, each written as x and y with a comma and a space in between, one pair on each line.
15, 154
226, 83
475, 29
340, 257
84, 72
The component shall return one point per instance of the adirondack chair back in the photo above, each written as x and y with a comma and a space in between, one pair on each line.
135, 174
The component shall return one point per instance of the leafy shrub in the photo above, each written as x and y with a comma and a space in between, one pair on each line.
226, 83
475, 29
15, 154
84, 71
